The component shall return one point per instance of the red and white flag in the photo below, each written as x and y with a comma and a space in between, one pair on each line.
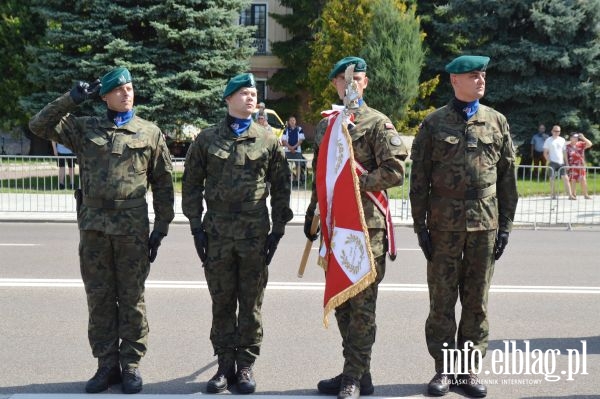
345, 251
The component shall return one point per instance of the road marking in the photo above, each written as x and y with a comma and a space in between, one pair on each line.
300, 286
17, 245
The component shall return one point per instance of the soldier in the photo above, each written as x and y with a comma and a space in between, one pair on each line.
463, 195
380, 150
230, 167
119, 155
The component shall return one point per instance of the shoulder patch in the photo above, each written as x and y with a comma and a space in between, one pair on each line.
389, 126
396, 141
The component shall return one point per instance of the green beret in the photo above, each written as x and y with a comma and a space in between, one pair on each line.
115, 78
359, 66
467, 63
237, 82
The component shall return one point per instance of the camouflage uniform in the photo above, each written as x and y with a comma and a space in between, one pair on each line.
378, 147
116, 165
463, 190
232, 174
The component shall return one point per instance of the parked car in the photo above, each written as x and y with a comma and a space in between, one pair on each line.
273, 119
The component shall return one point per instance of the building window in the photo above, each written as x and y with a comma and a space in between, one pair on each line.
261, 90
257, 15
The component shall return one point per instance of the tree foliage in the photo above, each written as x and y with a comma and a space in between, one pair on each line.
341, 32
386, 34
545, 59
180, 53
19, 27
394, 47
296, 52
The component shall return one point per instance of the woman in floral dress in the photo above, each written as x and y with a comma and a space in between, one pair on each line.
575, 150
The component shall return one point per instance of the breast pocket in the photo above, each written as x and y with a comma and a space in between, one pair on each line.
490, 149
217, 159
256, 162
445, 147
139, 153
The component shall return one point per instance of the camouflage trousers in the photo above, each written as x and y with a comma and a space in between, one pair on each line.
462, 267
236, 275
114, 269
356, 316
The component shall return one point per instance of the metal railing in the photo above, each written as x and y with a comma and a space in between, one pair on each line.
30, 184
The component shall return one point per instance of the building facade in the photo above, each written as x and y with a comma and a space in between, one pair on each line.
263, 63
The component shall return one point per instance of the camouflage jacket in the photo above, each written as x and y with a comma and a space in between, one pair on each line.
234, 176
463, 172
116, 163
379, 149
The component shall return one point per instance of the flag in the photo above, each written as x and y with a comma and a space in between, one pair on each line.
345, 251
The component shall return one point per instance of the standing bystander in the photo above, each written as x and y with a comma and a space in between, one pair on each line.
292, 139
575, 150
554, 152
537, 151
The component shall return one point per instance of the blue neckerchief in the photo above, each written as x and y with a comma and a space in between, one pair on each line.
121, 118
471, 109
238, 126
466, 109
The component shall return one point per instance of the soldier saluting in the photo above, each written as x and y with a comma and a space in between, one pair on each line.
463, 196
119, 155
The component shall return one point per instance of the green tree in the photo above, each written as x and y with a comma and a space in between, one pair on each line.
19, 27
180, 53
394, 46
341, 31
386, 34
296, 52
545, 59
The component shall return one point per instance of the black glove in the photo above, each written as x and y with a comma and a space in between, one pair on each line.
153, 244
271, 245
307, 225
200, 242
501, 242
85, 91
425, 243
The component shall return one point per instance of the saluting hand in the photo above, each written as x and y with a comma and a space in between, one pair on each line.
82, 91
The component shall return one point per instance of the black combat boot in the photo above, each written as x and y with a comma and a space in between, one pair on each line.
332, 385
245, 379
439, 384
349, 388
224, 377
105, 376
132, 380
471, 385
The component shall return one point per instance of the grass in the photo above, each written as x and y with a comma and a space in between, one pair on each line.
526, 187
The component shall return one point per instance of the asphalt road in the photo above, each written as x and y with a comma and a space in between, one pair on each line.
545, 297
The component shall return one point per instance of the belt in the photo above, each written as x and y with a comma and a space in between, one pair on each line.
236, 206
114, 204
467, 195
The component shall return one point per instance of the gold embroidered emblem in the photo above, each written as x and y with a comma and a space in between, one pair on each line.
353, 254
